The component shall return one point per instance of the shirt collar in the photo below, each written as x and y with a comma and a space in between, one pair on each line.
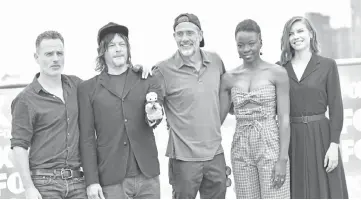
37, 87
180, 63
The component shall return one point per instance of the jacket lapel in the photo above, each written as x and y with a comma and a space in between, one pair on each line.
131, 81
105, 82
311, 66
291, 72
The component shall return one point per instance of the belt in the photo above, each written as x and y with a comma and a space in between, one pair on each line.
62, 173
306, 119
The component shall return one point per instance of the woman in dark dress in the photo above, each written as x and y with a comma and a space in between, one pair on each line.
316, 165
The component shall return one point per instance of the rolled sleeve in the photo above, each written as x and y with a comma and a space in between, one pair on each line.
22, 124
87, 136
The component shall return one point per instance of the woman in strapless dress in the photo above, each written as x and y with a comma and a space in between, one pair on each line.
259, 91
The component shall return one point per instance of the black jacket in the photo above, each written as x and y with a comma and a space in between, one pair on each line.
102, 142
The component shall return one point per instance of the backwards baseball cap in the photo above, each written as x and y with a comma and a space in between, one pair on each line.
188, 17
112, 27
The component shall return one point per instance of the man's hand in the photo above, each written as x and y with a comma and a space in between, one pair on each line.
94, 191
145, 70
32, 193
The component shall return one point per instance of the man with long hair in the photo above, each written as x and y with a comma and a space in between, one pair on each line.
117, 142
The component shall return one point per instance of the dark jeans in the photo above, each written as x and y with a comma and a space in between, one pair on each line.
207, 177
137, 187
57, 188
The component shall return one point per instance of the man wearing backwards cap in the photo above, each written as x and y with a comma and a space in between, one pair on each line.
117, 144
191, 79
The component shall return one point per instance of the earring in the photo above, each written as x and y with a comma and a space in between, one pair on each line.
260, 53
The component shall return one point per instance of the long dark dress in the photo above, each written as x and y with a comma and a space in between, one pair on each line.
318, 88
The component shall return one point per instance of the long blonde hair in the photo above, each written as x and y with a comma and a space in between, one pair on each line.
287, 51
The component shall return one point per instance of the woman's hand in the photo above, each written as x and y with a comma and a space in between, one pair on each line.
279, 173
331, 157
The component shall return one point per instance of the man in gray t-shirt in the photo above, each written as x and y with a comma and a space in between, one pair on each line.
191, 81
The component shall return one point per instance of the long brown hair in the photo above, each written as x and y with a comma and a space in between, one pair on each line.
287, 51
103, 47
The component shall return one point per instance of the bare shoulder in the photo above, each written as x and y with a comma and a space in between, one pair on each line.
278, 72
238, 71
228, 77
234, 72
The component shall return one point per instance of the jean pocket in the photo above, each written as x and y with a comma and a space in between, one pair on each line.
42, 181
78, 183
78, 180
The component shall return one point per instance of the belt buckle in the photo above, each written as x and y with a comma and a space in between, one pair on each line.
305, 119
62, 171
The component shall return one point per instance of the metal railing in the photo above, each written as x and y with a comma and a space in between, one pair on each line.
348, 61
340, 63
12, 86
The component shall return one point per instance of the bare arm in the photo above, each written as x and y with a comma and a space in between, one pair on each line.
22, 132
283, 110
21, 163
224, 96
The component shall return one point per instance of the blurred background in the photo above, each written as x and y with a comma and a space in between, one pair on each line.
338, 23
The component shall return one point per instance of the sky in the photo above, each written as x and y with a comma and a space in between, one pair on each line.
150, 25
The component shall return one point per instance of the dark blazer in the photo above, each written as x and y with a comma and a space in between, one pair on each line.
102, 142
318, 88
